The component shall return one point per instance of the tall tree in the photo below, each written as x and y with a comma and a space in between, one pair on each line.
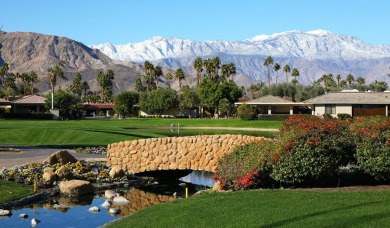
33, 78
338, 78
286, 69
76, 86
149, 67
54, 72
105, 83
276, 69
360, 80
138, 85
124, 102
350, 79
227, 70
268, 62
179, 75
3, 74
295, 74
157, 73
198, 65
85, 88
148, 79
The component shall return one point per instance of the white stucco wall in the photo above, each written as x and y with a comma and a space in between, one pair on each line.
319, 110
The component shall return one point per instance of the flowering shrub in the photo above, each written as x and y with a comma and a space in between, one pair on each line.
248, 166
373, 145
95, 172
92, 150
312, 149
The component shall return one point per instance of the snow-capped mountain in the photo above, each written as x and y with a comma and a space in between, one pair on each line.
314, 53
317, 44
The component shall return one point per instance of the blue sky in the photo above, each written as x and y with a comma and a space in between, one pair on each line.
120, 22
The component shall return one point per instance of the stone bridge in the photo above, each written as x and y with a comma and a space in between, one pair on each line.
193, 152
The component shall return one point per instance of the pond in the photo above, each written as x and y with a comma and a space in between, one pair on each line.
73, 212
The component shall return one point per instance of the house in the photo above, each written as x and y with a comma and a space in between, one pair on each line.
277, 105
94, 109
29, 104
352, 103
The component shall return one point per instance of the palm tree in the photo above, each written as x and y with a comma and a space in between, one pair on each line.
54, 72
179, 75
85, 87
286, 69
276, 69
268, 62
338, 77
157, 73
169, 76
227, 70
350, 79
148, 79
343, 83
33, 78
295, 74
105, 84
198, 65
360, 80
149, 67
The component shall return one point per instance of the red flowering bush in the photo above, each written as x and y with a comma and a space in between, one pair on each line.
248, 166
373, 145
312, 149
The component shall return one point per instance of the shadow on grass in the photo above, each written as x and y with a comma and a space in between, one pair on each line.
287, 222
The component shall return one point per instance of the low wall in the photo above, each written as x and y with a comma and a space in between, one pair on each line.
193, 152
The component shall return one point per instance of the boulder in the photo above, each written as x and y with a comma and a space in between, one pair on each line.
120, 200
110, 194
49, 176
5, 212
116, 172
23, 216
94, 209
62, 157
64, 173
114, 211
106, 204
75, 187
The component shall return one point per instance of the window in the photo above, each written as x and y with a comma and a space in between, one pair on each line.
330, 109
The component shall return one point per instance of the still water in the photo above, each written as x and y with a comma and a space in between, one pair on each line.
73, 212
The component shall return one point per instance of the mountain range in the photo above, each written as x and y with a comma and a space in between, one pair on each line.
313, 53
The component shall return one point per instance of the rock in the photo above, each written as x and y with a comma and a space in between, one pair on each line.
116, 172
63, 173
120, 200
60, 206
34, 222
217, 186
106, 204
114, 211
109, 194
94, 209
76, 187
49, 176
5, 212
23, 216
62, 157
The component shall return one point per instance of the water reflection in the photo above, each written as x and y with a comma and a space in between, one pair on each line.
73, 212
199, 178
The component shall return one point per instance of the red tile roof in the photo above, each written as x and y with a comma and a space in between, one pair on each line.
99, 105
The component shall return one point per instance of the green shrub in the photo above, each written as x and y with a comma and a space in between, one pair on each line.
312, 149
246, 112
373, 145
327, 116
343, 116
248, 166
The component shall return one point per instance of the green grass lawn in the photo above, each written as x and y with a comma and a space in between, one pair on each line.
10, 191
268, 208
70, 134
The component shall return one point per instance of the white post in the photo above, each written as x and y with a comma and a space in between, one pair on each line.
269, 110
291, 110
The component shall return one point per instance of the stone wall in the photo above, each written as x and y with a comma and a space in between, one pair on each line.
194, 152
